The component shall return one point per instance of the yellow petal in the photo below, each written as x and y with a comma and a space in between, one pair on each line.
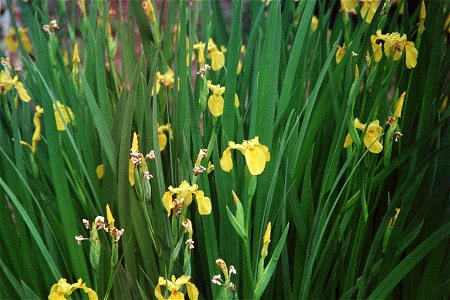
443, 105
176, 295
162, 141
134, 143
226, 163
75, 57
314, 23
347, 5
192, 291
340, 53
22, 92
372, 136
100, 171
131, 173
348, 140
255, 159
236, 100
399, 106
10, 40
66, 113
109, 216
217, 60
167, 202
411, 55
215, 105
182, 280
203, 203
158, 294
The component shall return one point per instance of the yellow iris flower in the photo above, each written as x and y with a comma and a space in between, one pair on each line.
348, 5
66, 113
371, 138
393, 45
216, 101
37, 131
62, 289
256, 155
184, 193
174, 286
7, 83
340, 52
162, 139
217, 57
134, 147
13, 45
168, 79
369, 9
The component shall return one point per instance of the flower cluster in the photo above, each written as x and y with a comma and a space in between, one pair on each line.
393, 44
167, 79
7, 83
198, 168
137, 161
184, 198
62, 290
12, 44
256, 156
217, 57
174, 285
371, 138
99, 224
368, 9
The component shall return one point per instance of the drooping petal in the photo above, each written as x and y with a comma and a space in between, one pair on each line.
162, 141
255, 159
167, 202
348, 140
22, 92
192, 291
215, 105
157, 292
411, 55
217, 60
226, 163
203, 203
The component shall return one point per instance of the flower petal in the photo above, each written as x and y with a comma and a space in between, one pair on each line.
167, 202
215, 105
217, 60
226, 163
22, 92
192, 291
203, 203
162, 140
255, 159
